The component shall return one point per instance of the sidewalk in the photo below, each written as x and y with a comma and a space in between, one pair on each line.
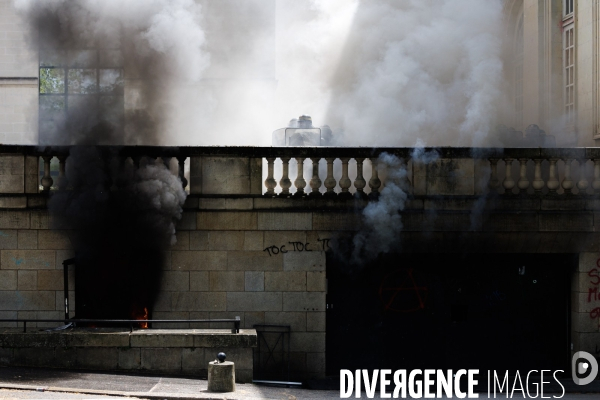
143, 387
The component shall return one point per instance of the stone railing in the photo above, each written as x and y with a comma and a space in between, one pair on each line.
438, 171
329, 173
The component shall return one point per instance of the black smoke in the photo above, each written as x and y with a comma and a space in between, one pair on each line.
106, 73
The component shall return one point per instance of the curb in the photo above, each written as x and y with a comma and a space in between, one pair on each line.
141, 395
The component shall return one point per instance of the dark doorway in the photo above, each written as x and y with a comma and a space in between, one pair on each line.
492, 311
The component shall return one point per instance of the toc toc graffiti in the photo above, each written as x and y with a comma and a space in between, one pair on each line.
298, 246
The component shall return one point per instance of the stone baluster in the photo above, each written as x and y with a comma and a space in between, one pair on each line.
181, 171
494, 182
47, 180
345, 182
270, 182
523, 183
315, 182
596, 182
285, 181
330, 181
360, 182
62, 177
538, 182
553, 183
508, 182
567, 183
374, 182
583, 183
300, 183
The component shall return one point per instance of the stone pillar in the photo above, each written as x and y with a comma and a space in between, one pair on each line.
195, 175
32, 179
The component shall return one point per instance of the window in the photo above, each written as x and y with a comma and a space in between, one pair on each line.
569, 73
518, 71
80, 80
568, 7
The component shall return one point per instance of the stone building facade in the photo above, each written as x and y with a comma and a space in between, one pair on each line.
243, 251
551, 60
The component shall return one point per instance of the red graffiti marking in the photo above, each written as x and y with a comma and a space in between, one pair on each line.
595, 276
592, 294
595, 313
400, 292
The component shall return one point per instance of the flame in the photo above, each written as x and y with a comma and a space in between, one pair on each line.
142, 317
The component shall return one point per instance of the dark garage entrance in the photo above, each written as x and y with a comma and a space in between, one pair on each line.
487, 312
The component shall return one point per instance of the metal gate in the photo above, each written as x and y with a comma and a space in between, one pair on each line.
486, 311
272, 355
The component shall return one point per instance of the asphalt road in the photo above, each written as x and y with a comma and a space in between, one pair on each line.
7, 394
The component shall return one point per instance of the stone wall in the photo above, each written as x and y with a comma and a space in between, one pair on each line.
31, 274
264, 258
243, 263
585, 304
217, 269
180, 352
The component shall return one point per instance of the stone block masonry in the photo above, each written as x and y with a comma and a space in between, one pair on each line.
266, 267
155, 351
585, 304
224, 264
263, 258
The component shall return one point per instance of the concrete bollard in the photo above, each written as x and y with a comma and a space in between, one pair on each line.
221, 375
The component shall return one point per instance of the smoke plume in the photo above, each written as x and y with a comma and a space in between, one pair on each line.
109, 71
230, 72
124, 62
381, 219
415, 69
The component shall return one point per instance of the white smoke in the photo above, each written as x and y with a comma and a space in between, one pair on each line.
382, 222
380, 73
168, 27
382, 219
428, 69
230, 72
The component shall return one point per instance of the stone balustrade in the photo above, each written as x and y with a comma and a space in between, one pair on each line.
442, 171
328, 173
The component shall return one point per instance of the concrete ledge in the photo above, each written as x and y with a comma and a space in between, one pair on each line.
161, 338
157, 351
